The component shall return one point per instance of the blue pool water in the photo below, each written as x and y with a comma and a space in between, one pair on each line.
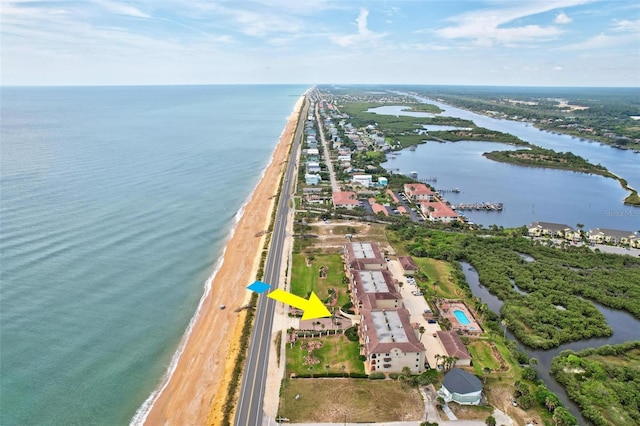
461, 317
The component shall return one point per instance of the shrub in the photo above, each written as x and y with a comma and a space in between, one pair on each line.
376, 376
352, 334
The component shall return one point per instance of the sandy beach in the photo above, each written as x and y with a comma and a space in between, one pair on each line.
195, 392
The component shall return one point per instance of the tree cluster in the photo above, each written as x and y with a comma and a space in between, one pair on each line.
604, 382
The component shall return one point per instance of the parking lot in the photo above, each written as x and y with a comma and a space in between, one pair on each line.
416, 305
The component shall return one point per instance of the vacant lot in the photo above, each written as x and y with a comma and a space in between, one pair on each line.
335, 352
331, 236
360, 400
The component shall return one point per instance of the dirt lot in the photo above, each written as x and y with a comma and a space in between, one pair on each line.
470, 412
331, 235
360, 400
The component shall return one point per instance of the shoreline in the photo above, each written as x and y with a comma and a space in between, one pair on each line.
199, 371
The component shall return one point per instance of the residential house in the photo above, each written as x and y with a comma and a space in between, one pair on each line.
390, 342
364, 180
557, 230
313, 167
345, 199
312, 179
461, 387
313, 154
613, 236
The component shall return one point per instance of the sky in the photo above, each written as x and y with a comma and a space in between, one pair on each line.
457, 42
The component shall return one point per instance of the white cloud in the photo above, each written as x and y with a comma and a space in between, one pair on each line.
488, 26
122, 9
557, 68
364, 33
627, 26
599, 41
562, 19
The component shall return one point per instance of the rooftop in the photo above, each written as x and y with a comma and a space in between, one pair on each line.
407, 263
453, 345
555, 227
389, 329
460, 382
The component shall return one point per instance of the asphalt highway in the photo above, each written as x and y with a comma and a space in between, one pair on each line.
249, 411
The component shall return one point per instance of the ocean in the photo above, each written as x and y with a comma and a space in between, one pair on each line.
115, 206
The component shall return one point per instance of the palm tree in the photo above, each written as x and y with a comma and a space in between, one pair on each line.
438, 358
406, 371
327, 368
421, 330
343, 370
485, 373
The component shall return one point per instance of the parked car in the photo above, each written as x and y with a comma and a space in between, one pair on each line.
432, 321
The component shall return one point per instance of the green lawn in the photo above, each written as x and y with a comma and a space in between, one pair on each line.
305, 279
337, 351
437, 270
482, 356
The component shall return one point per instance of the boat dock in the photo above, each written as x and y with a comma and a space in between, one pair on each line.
479, 206
444, 191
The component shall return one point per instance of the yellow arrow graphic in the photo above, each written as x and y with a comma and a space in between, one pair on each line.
313, 308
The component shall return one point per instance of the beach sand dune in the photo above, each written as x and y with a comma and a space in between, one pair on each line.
195, 393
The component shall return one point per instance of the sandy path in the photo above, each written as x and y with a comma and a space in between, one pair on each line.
204, 368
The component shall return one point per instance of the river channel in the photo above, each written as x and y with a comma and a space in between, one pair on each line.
625, 327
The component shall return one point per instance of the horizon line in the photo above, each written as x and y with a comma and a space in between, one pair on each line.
307, 84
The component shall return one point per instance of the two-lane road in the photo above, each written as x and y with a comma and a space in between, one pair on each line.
249, 411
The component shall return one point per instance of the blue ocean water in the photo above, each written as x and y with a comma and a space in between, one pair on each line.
115, 204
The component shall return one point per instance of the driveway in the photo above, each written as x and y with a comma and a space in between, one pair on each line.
416, 306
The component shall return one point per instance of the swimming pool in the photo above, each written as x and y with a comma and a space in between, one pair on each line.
461, 317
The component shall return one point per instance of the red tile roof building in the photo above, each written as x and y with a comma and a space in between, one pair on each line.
346, 199
454, 347
390, 342
419, 192
364, 256
377, 207
375, 290
408, 265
